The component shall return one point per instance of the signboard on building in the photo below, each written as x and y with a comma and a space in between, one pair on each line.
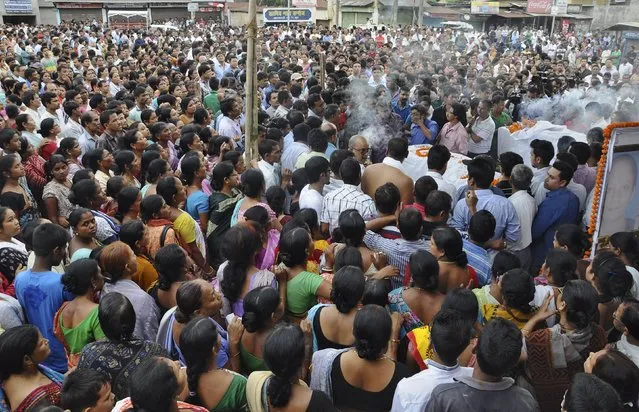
282, 15
484, 7
18, 6
539, 6
304, 3
78, 5
560, 7
192, 7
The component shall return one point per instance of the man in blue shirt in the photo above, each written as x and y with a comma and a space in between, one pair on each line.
40, 292
481, 172
401, 106
480, 231
559, 207
422, 129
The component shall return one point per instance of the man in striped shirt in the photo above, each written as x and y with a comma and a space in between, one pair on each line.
349, 196
480, 230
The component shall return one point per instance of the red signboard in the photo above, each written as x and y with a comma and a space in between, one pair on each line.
539, 6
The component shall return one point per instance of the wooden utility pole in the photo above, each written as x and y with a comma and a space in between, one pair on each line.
420, 14
250, 130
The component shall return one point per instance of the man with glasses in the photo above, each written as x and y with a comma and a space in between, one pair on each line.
359, 146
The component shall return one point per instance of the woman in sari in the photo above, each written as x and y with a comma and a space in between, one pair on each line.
26, 385
447, 246
517, 290
88, 194
222, 202
15, 192
239, 275
286, 353
219, 390
253, 187
56, 192
197, 202
13, 253
345, 375
121, 353
100, 161
70, 149
196, 298
135, 234
127, 165
419, 303
76, 323
332, 324
157, 384
173, 193
556, 354
608, 275
160, 232
262, 310
269, 230
84, 227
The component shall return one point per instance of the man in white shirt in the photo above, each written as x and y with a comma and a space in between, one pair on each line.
450, 334
270, 153
229, 124
285, 101
541, 154
625, 68
438, 157
73, 127
481, 130
318, 174
32, 102
520, 179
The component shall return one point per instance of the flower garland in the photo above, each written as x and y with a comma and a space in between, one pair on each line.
601, 167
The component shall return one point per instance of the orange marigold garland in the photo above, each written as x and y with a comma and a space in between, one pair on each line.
601, 167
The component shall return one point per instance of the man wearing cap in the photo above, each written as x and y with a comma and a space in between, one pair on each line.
481, 172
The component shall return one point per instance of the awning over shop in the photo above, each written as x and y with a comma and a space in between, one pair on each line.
513, 15
440, 11
563, 16
628, 26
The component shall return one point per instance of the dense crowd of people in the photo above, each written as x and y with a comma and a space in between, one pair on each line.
147, 264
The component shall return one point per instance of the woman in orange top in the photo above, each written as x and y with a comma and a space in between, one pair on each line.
134, 234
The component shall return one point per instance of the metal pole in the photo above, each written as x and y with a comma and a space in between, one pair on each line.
288, 14
420, 14
552, 28
250, 130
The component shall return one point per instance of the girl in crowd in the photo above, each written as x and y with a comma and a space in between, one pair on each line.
447, 247
129, 200
173, 193
122, 352
576, 241
332, 325
26, 385
262, 310
84, 227
14, 191
269, 230
127, 165
13, 253
286, 352
171, 265
161, 134
239, 275
33, 169
608, 274
198, 298
156, 385
363, 377
135, 235
419, 303
159, 229
88, 194
225, 196
303, 288
49, 130
502, 263
253, 189
517, 290
119, 263
626, 246
100, 162
158, 169
57, 191
197, 202
70, 150
216, 389
76, 323
134, 141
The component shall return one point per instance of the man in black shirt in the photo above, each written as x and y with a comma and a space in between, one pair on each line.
451, 95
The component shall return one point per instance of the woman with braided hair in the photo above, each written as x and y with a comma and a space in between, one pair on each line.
209, 386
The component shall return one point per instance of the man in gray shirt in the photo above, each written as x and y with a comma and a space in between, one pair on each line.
498, 351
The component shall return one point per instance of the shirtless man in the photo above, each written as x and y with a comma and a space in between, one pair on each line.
390, 170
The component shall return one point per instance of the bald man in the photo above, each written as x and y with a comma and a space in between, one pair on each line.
359, 146
390, 170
